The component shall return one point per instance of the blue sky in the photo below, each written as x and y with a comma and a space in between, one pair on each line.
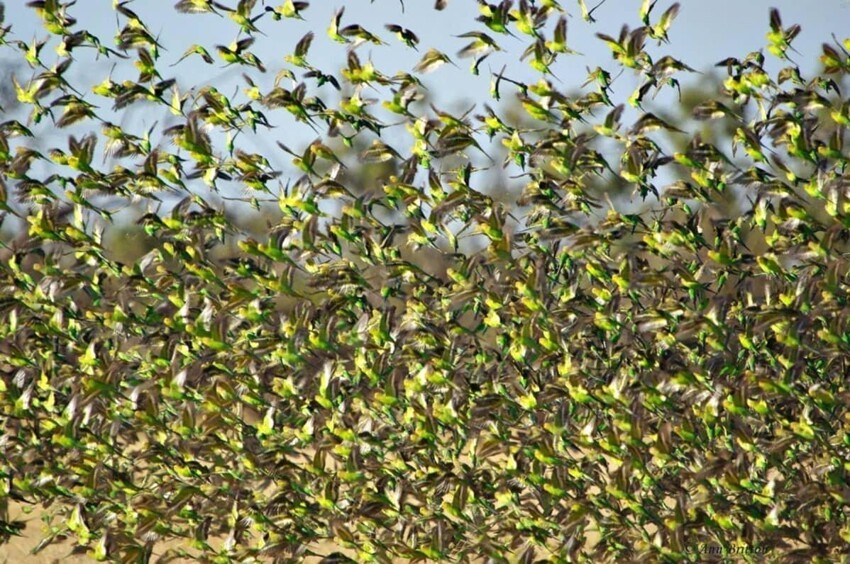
704, 33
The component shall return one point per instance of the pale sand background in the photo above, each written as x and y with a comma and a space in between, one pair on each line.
18, 550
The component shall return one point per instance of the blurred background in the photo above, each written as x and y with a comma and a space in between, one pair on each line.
703, 34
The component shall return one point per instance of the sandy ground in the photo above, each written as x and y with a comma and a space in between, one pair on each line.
19, 549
